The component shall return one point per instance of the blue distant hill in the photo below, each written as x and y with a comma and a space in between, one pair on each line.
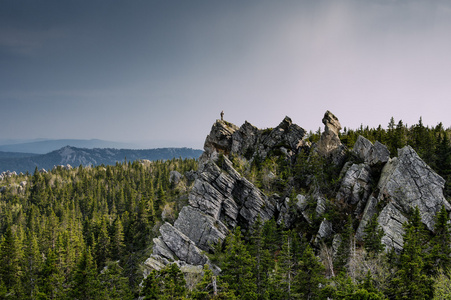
75, 157
45, 146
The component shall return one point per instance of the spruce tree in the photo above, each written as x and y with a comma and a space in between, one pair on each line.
85, 284
168, 283
114, 284
440, 254
263, 261
51, 279
372, 238
117, 239
32, 264
10, 262
212, 287
310, 277
238, 266
410, 280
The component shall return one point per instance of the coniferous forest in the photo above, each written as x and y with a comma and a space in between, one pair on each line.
85, 233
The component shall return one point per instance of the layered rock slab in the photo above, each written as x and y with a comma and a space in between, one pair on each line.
377, 154
228, 197
407, 182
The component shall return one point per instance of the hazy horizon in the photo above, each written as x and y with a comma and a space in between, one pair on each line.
161, 71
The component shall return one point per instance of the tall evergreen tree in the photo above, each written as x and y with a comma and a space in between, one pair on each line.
212, 287
238, 267
10, 263
51, 283
168, 283
85, 283
439, 256
410, 280
114, 283
373, 237
310, 277
31, 264
263, 262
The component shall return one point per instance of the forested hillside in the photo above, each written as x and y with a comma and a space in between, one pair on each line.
87, 233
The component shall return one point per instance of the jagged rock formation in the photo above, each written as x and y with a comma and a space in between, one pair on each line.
248, 141
329, 143
372, 155
407, 182
222, 199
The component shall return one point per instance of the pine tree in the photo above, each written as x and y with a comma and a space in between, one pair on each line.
410, 280
10, 262
212, 287
150, 290
347, 246
440, 255
32, 264
310, 277
114, 284
238, 266
372, 238
117, 239
102, 250
51, 279
168, 283
263, 261
85, 284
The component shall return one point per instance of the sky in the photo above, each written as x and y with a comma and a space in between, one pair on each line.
159, 73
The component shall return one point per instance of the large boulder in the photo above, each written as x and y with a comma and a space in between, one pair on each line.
356, 186
287, 135
181, 245
377, 154
245, 139
219, 140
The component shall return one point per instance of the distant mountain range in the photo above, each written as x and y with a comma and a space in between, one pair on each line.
43, 146
22, 162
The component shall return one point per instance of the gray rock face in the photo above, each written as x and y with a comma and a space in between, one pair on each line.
409, 182
245, 139
181, 245
174, 177
219, 140
202, 229
320, 205
248, 141
287, 134
391, 220
332, 123
369, 153
325, 230
356, 185
228, 197
370, 210
161, 249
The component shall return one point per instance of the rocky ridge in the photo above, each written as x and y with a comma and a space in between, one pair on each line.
370, 183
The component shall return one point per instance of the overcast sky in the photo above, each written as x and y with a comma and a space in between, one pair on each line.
160, 72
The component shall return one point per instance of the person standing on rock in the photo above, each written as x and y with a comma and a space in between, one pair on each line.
222, 115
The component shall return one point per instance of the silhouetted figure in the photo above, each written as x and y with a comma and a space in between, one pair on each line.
222, 115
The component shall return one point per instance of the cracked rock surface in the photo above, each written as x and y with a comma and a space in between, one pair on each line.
407, 182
